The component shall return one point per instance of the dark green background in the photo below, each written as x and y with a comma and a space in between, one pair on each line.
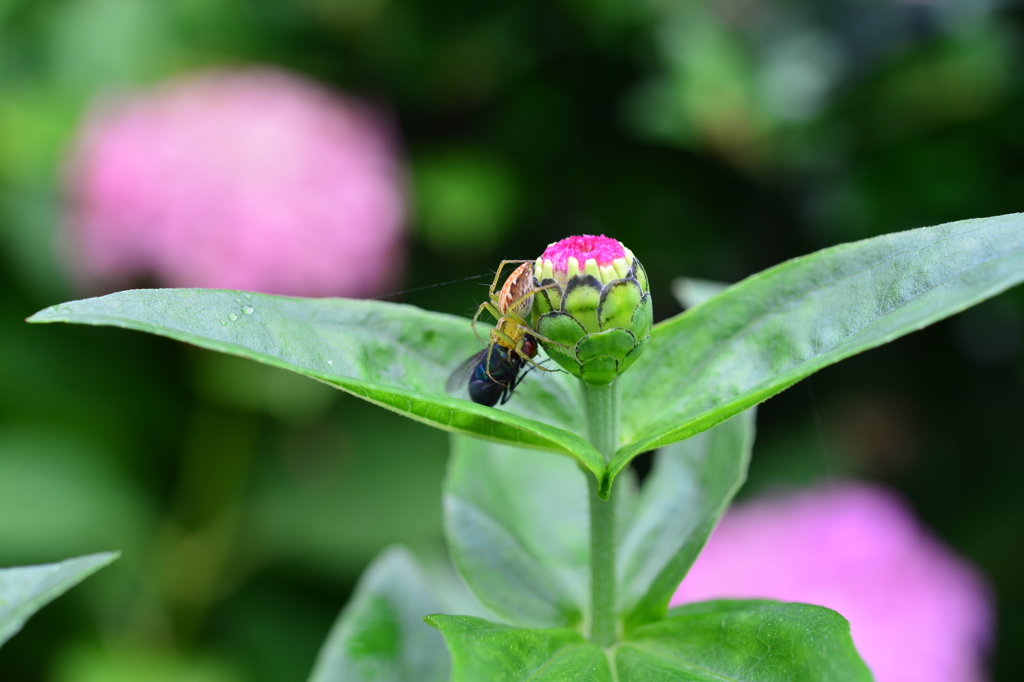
247, 501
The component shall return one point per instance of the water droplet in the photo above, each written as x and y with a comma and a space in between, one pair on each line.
248, 310
238, 300
249, 296
223, 323
232, 317
331, 363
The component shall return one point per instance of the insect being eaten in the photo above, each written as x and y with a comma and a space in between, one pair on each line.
494, 373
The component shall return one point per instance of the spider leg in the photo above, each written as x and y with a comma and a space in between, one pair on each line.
487, 366
535, 364
507, 394
504, 339
520, 322
501, 338
489, 307
515, 304
497, 278
501, 265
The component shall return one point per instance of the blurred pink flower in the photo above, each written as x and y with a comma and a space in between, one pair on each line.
917, 612
257, 180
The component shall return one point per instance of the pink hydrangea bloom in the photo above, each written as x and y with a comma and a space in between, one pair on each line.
917, 613
257, 180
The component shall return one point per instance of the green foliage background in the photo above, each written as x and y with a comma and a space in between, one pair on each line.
246, 500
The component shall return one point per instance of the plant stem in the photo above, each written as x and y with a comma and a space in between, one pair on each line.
602, 409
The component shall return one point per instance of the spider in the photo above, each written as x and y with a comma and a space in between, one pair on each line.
493, 373
510, 307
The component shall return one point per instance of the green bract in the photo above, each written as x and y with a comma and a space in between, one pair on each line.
594, 317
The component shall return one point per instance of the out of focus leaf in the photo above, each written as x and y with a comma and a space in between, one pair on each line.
465, 200
516, 524
482, 650
61, 494
381, 636
681, 501
26, 589
690, 291
395, 356
132, 661
363, 479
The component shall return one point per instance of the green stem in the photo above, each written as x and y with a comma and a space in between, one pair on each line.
602, 409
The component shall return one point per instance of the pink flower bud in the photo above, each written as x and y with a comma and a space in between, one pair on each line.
586, 254
592, 309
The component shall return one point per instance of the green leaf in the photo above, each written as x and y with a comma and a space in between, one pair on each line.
396, 356
725, 641
380, 636
482, 650
26, 589
689, 488
777, 327
516, 524
743, 640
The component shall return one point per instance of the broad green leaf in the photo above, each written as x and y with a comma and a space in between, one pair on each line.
380, 636
396, 356
689, 488
26, 589
775, 328
482, 650
726, 641
516, 524
750, 641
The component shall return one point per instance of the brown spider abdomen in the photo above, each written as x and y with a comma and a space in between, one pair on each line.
515, 293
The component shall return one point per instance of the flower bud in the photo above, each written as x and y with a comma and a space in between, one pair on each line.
592, 307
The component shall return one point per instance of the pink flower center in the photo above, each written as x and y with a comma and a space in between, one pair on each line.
604, 250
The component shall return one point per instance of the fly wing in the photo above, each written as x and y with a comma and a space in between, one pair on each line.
459, 379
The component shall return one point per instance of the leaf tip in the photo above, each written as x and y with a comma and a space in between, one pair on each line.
108, 557
43, 315
54, 313
94, 562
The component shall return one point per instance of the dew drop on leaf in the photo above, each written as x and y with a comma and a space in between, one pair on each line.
248, 310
